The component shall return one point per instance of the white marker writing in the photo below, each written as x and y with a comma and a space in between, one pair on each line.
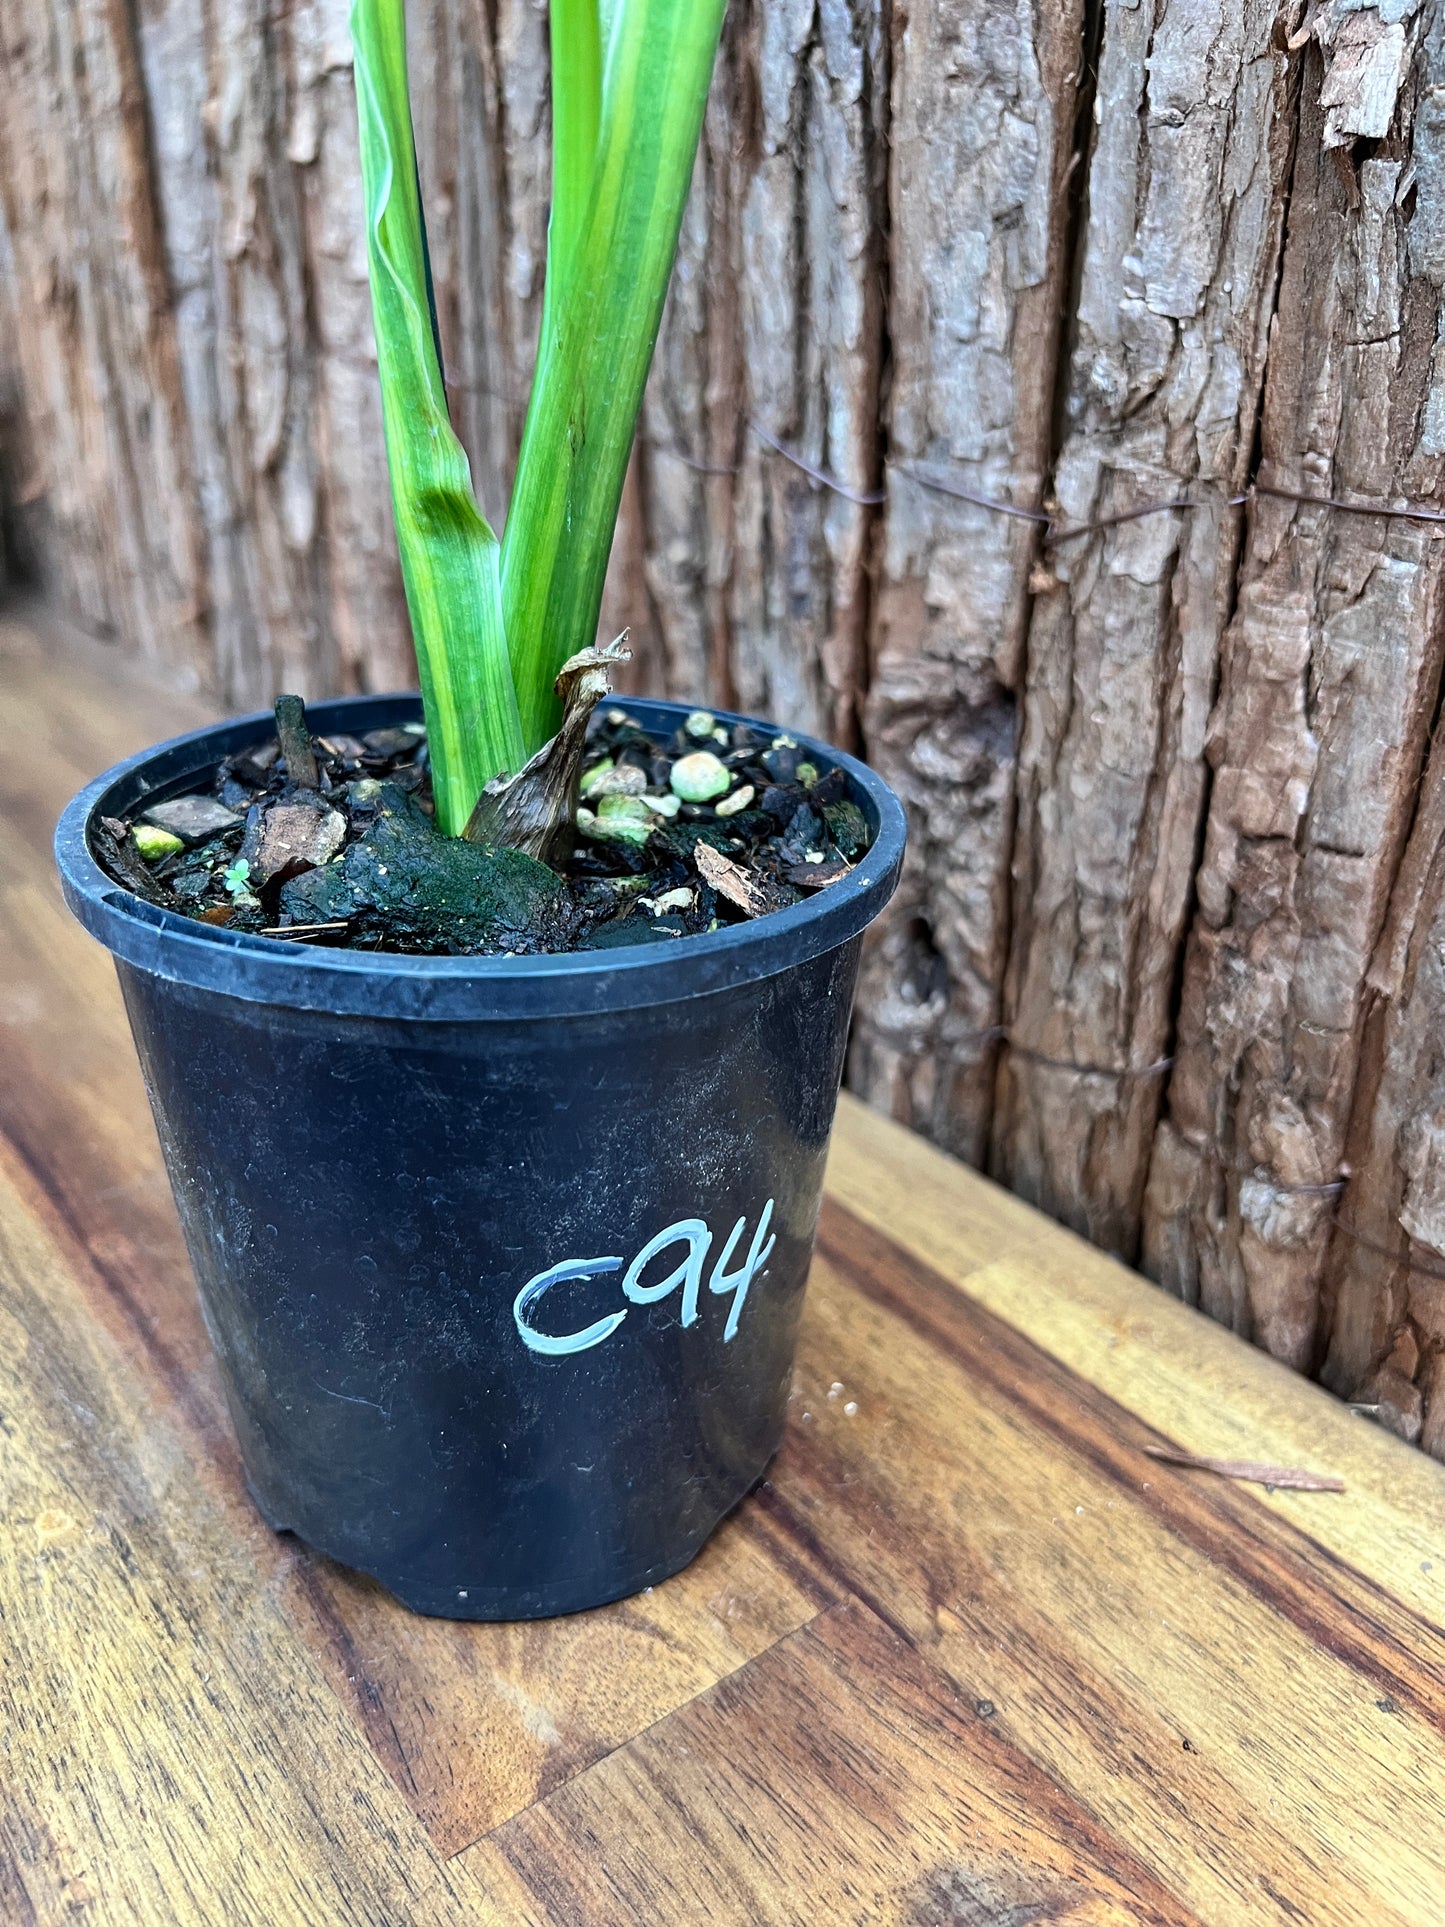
737, 1282
696, 1235
573, 1341
688, 1273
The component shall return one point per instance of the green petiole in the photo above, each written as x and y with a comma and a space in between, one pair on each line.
493, 623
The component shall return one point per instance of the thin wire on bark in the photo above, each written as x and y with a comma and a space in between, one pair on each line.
1414, 1265
1054, 531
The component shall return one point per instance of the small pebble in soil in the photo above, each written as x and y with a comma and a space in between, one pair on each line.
343, 749
699, 777
192, 818
155, 845
288, 834
623, 819
625, 779
391, 742
739, 800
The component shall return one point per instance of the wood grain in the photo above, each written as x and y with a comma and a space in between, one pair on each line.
1001, 1577
783, 1796
149, 1764
969, 1655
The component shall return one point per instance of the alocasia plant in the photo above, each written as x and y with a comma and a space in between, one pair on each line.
494, 621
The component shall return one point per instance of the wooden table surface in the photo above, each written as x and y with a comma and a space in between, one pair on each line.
970, 1655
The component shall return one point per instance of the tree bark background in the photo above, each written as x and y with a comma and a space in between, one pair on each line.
1166, 956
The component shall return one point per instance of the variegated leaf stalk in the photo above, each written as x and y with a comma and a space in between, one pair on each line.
494, 622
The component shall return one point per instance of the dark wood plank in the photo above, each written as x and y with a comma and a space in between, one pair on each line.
1269, 1551
475, 1723
1178, 1372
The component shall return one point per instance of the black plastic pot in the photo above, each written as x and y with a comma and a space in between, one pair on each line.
502, 1258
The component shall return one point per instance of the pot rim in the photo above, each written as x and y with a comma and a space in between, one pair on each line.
376, 984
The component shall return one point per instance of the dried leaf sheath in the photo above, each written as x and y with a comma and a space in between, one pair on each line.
530, 810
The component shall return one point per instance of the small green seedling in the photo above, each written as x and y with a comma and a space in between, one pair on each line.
494, 621
236, 879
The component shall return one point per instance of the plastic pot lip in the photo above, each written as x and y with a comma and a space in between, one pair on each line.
267, 970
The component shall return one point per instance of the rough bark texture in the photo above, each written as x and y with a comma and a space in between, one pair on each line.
1167, 778
982, 140
1385, 1276
96, 347
1185, 197
755, 575
1384, 1298
1330, 679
